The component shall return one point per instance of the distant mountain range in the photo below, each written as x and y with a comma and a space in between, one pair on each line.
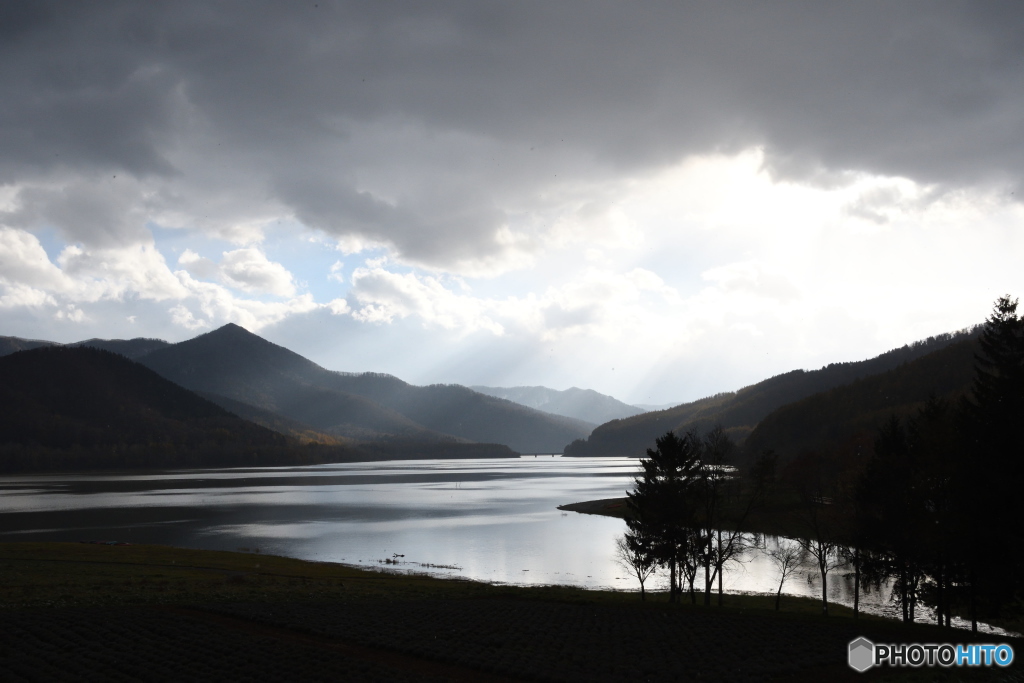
741, 412
129, 348
9, 345
239, 365
283, 391
68, 407
238, 375
582, 404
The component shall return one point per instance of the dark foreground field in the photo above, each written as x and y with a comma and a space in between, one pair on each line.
120, 613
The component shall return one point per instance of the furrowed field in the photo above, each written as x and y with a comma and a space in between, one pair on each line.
94, 612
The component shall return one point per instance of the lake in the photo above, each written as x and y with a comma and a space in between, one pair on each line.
489, 519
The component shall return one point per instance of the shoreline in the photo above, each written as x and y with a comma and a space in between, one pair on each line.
617, 508
158, 611
606, 507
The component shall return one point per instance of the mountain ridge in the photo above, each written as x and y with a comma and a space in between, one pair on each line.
280, 389
242, 366
581, 404
129, 348
9, 345
77, 408
831, 418
739, 412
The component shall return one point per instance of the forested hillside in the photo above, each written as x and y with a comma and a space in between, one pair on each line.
66, 407
80, 408
129, 348
835, 416
907, 476
740, 412
9, 345
300, 431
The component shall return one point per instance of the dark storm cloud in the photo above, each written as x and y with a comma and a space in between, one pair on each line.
301, 95
324, 203
79, 91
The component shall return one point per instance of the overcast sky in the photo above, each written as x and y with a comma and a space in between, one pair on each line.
659, 201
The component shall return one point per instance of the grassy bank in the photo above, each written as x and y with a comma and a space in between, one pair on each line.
85, 574
69, 600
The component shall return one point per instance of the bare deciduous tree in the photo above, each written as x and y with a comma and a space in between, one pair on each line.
787, 556
636, 559
816, 482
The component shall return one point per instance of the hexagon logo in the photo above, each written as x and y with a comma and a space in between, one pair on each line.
862, 654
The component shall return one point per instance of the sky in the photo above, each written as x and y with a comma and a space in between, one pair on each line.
656, 200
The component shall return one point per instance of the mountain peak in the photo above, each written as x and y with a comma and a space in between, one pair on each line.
232, 328
232, 332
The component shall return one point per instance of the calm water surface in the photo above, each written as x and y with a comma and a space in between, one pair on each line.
488, 519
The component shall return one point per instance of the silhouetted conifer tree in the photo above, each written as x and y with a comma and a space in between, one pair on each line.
990, 479
662, 509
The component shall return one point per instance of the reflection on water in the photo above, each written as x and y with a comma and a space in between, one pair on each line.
491, 520
494, 519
